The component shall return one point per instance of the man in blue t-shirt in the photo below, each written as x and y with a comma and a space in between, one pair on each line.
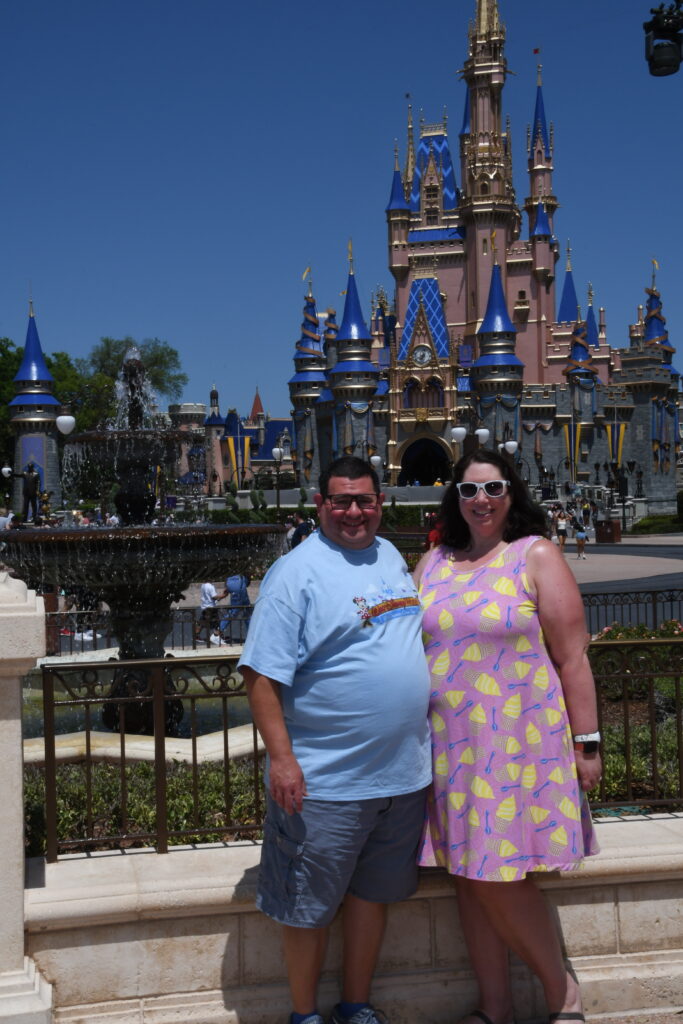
339, 690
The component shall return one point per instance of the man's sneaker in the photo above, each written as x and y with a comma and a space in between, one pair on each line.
367, 1015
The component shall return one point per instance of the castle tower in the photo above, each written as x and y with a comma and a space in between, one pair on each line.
33, 412
496, 375
305, 388
353, 379
214, 425
488, 203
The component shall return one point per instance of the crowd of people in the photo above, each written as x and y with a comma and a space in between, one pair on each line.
447, 720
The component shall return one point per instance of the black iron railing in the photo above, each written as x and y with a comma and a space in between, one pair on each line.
72, 632
150, 753
632, 608
131, 771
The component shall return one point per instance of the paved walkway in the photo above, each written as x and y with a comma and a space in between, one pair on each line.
636, 563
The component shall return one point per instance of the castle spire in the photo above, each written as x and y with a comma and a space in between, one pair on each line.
397, 199
580, 359
539, 130
569, 301
487, 17
410, 150
592, 332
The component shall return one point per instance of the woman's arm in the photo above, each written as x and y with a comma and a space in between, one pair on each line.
562, 619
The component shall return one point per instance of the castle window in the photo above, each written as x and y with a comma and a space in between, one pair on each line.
485, 246
521, 296
433, 394
411, 395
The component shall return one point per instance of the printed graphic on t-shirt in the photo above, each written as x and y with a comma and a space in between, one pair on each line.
385, 603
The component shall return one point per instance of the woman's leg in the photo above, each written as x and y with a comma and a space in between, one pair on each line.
521, 916
488, 955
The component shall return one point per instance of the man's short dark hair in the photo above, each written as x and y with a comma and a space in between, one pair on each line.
351, 467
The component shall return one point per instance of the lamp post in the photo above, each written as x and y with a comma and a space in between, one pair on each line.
377, 464
278, 454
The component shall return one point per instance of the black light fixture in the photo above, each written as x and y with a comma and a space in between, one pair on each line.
664, 39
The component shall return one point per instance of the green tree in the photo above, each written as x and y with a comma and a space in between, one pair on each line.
10, 361
162, 363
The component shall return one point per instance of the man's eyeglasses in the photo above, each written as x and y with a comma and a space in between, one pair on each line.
343, 502
492, 488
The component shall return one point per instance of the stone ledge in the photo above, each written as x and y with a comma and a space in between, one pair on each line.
135, 885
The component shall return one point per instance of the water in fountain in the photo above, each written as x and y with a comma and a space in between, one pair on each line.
138, 569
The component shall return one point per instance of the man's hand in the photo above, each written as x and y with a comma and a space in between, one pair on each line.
287, 783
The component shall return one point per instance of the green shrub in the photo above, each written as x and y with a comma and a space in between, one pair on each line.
222, 811
657, 524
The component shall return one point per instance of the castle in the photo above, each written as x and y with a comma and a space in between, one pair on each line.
473, 336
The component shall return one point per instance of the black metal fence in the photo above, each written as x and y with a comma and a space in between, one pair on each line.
640, 607
145, 753
163, 752
77, 630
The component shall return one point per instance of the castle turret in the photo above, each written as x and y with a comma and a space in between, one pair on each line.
496, 375
33, 414
569, 302
540, 150
398, 222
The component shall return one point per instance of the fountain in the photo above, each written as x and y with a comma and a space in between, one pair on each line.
138, 568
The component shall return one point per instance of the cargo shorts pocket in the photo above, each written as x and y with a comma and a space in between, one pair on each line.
281, 864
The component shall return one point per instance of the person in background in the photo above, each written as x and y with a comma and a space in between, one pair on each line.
338, 688
513, 712
302, 529
234, 624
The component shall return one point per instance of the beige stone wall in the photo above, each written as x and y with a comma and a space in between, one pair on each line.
140, 937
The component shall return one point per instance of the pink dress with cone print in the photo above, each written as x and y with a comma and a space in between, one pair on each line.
505, 797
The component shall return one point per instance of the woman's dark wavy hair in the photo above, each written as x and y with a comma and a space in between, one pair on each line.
525, 518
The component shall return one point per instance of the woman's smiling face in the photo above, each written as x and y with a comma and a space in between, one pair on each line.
485, 516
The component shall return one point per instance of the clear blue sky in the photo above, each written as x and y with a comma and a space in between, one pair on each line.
170, 167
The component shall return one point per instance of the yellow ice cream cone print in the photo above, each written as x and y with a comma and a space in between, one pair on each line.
477, 652
473, 818
558, 841
481, 788
505, 873
510, 772
553, 716
503, 847
441, 665
517, 670
445, 620
512, 709
541, 678
438, 724
454, 697
477, 717
536, 814
505, 587
505, 813
508, 744
533, 736
569, 809
522, 644
467, 756
483, 682
441, 765
456, 800
490, 617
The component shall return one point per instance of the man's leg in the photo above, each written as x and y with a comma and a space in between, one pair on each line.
363, 928
304, 950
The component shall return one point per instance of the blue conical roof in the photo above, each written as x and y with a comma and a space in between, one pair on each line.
579, 362
496, 319
569, 302
397, 199
33, 365
308, 345
353, 326
542, 225
656, 332
592, 336
465, 130
540, 126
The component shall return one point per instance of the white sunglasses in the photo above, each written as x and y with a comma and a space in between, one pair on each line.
492, 488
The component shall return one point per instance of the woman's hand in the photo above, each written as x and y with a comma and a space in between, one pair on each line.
589, 769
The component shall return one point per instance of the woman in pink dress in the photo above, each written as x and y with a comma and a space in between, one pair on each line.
514, 728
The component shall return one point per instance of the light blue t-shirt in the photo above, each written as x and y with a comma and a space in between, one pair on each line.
341, 631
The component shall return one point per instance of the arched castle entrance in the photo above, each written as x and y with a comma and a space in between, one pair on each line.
423, 462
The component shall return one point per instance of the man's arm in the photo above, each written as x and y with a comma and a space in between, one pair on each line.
287, 783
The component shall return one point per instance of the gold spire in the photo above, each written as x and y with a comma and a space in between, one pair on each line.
590, 294
569, 256
539, 69
350, 250
410, 150
487, 17
655, 268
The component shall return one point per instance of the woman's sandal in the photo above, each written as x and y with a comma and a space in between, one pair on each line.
565, 1016
480, 1015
